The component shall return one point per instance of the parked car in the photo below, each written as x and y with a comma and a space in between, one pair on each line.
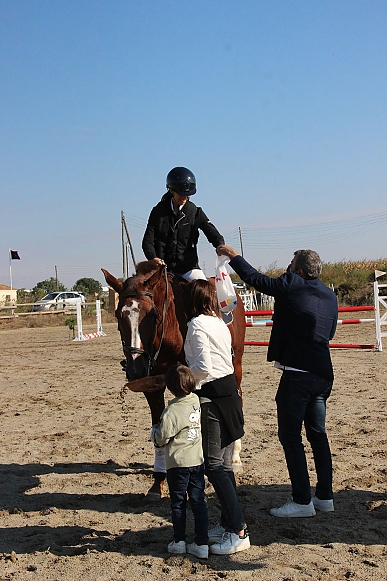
59, 301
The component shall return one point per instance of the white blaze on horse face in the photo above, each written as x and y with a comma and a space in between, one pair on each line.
133, 316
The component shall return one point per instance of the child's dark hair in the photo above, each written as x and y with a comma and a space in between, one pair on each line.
180, 380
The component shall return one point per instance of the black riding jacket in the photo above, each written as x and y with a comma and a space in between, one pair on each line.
174, 237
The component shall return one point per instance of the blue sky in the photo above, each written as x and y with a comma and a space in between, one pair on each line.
278, 107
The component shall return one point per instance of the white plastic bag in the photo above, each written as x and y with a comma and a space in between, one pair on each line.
225, 290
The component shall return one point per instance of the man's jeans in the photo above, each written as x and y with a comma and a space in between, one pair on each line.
301, 397
218, 465
181, 481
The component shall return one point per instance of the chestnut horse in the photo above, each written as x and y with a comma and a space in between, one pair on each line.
153, 325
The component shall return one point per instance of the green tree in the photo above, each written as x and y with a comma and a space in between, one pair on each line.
48, 286
88, 286
70, 322
23, 296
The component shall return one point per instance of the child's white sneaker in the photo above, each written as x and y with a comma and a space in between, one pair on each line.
323, 505
200, 551
177, 548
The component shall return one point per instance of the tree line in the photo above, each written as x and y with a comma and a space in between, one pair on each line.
86, 285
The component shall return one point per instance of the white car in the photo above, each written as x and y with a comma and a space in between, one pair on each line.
59, 301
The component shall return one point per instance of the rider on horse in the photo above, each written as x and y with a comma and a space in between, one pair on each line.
172, 232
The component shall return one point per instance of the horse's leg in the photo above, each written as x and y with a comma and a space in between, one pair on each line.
156, 404
238, 332
237, 465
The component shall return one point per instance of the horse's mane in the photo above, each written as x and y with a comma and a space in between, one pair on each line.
147, 267
133, 286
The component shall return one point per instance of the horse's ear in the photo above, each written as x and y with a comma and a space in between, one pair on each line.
150, 282
112, 280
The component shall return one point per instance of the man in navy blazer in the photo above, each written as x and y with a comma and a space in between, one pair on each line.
304, 320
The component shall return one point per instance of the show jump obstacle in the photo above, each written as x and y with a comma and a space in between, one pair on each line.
379, 321
85, 336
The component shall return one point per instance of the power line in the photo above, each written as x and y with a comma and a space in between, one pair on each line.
325, 232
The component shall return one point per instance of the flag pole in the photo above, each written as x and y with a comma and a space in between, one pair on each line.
10, 276
10, 269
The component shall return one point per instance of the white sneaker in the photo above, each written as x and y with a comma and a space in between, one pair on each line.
293, 509
200, 551
231, 543
177, 548
323, 505
215, 535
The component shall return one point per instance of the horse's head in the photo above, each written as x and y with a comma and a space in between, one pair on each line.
138, 318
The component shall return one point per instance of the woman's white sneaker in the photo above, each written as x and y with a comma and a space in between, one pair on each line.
293, 509
177, 548
323, 505
215, 534
231, 543
200, 551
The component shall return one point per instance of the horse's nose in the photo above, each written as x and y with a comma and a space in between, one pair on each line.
136, 368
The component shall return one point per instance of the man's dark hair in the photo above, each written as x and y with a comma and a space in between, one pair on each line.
180, 380
200, 298
309, 261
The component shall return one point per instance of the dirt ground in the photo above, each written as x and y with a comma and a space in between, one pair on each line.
76, 464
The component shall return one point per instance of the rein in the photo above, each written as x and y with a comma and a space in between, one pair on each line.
135, 350
163, 315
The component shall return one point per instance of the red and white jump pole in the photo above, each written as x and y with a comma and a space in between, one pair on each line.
339, 322
331, 345
378, 320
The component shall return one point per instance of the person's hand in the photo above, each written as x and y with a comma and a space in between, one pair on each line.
159, 261
224, 250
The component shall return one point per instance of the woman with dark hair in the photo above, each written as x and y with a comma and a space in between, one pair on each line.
209, 356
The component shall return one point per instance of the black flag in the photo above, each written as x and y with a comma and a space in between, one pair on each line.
15, 255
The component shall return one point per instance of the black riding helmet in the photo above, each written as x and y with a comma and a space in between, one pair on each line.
182, 181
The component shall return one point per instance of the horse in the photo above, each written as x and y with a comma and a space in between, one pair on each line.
153, 325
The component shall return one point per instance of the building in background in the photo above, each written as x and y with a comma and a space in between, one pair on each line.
7, 297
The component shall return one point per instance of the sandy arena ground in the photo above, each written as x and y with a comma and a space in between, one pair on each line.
76, 464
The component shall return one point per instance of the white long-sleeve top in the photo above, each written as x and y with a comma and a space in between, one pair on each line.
208, 349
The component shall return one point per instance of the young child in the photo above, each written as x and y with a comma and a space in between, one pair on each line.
179, 431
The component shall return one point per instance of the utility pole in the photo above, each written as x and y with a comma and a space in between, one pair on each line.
240, 239
56, 278
125, 261
124, 252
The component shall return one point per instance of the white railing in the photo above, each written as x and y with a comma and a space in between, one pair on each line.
380, 320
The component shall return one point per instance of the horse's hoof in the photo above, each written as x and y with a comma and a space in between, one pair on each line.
153, 496
237, 467
156, 491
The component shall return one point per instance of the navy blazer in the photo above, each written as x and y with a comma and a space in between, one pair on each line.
304, 319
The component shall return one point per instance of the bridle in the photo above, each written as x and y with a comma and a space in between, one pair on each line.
152, 359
